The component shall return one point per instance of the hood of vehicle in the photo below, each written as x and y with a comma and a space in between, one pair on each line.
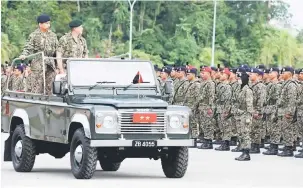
122, 102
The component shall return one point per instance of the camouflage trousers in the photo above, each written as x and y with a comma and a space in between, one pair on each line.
256, 129
244, 123
275, 127
226, 127
194, 126
38, 85
206, 122
264, 129
300, 126
218, 127
233, 122
287, 130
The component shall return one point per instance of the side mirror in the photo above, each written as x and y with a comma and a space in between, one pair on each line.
168, 87
57, 87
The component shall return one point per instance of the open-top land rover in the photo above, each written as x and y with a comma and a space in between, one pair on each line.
103, 110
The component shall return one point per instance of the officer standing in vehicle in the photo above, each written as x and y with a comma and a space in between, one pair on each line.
72, 45
42, 40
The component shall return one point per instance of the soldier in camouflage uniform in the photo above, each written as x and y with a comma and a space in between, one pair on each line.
158, 72
173, 74
17, 81
42, 40
223, 102
300, 108
235, 86
3, 77
28, 78
286, 110
206, 100
190, 100
273, 94
265, 132
259, 97
165, 79
180, 86
243, 116
72, 45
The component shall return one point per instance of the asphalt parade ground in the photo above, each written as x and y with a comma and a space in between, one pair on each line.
207, 169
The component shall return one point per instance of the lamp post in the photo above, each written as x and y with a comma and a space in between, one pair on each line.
131, 4
214, 34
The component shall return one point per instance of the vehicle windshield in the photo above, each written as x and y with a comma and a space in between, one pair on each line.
116, 72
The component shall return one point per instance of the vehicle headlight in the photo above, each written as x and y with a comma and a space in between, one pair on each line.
178, 122
106, 122
174, 122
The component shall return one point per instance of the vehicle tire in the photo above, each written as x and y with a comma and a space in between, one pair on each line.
109, 166
175, 162
23, 151
83, 158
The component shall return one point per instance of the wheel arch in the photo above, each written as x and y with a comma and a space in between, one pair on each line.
19, 116
78, 121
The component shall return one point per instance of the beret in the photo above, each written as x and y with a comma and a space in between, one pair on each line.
300, 71
166, 70
43, 18
261, 67
266, 70
255, 70
274, 69
202, 66
214, 68
192, 70
233, 70
226, 71
181, 69
156, 68
206, 69
245, 66
288, 69
75, 23
241, 69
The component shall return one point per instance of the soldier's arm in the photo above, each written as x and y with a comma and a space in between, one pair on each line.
226, 96
85, 51
262, 98
60, 50
212, 95
29, 46
249, 101
291, 106
195, 94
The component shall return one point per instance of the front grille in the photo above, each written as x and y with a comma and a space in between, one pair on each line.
126, 125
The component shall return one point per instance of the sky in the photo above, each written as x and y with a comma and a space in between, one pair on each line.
296, 9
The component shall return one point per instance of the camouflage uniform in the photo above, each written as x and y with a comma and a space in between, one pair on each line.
28, 83
166, 97
70, 47
3, 82
259, 97
190, 100
286, 105
179, 92
206, 100
224, 96
235, 86
216, 121
42, 42
16, 83
273, 94
300, 109
243, 116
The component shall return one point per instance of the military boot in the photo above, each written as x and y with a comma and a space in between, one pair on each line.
267, 140
224, 146
217, 141
299, 155
262, 143
200, 138
288, 152
273, 150
233, 141
255, 149
267, 147
207, 144
244, 156
300, 150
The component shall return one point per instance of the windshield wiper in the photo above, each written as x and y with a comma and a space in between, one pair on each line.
126, 87
98, 83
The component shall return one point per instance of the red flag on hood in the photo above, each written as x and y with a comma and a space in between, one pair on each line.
138, 78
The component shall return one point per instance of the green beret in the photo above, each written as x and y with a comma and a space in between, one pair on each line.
75, 23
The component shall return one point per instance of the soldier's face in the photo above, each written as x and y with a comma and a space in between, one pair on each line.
17, 72
45, 26
79, 30
163, 75
190, 76
253, 77
173, 74
300, 76
205, 75
158, 73
272, 75
223, 77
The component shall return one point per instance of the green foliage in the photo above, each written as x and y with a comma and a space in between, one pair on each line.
163, 32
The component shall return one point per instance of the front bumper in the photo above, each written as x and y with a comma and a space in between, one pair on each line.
128, 143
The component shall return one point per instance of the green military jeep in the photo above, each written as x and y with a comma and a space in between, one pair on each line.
104, 110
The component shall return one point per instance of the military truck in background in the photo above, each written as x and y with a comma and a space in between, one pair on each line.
104, 110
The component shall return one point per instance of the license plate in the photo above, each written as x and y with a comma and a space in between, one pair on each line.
144, 117
144, 143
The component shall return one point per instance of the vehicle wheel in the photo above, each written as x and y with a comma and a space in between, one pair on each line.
109, 166
83, 158
23, 151
175, 162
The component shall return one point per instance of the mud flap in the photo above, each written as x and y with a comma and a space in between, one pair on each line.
7, 149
